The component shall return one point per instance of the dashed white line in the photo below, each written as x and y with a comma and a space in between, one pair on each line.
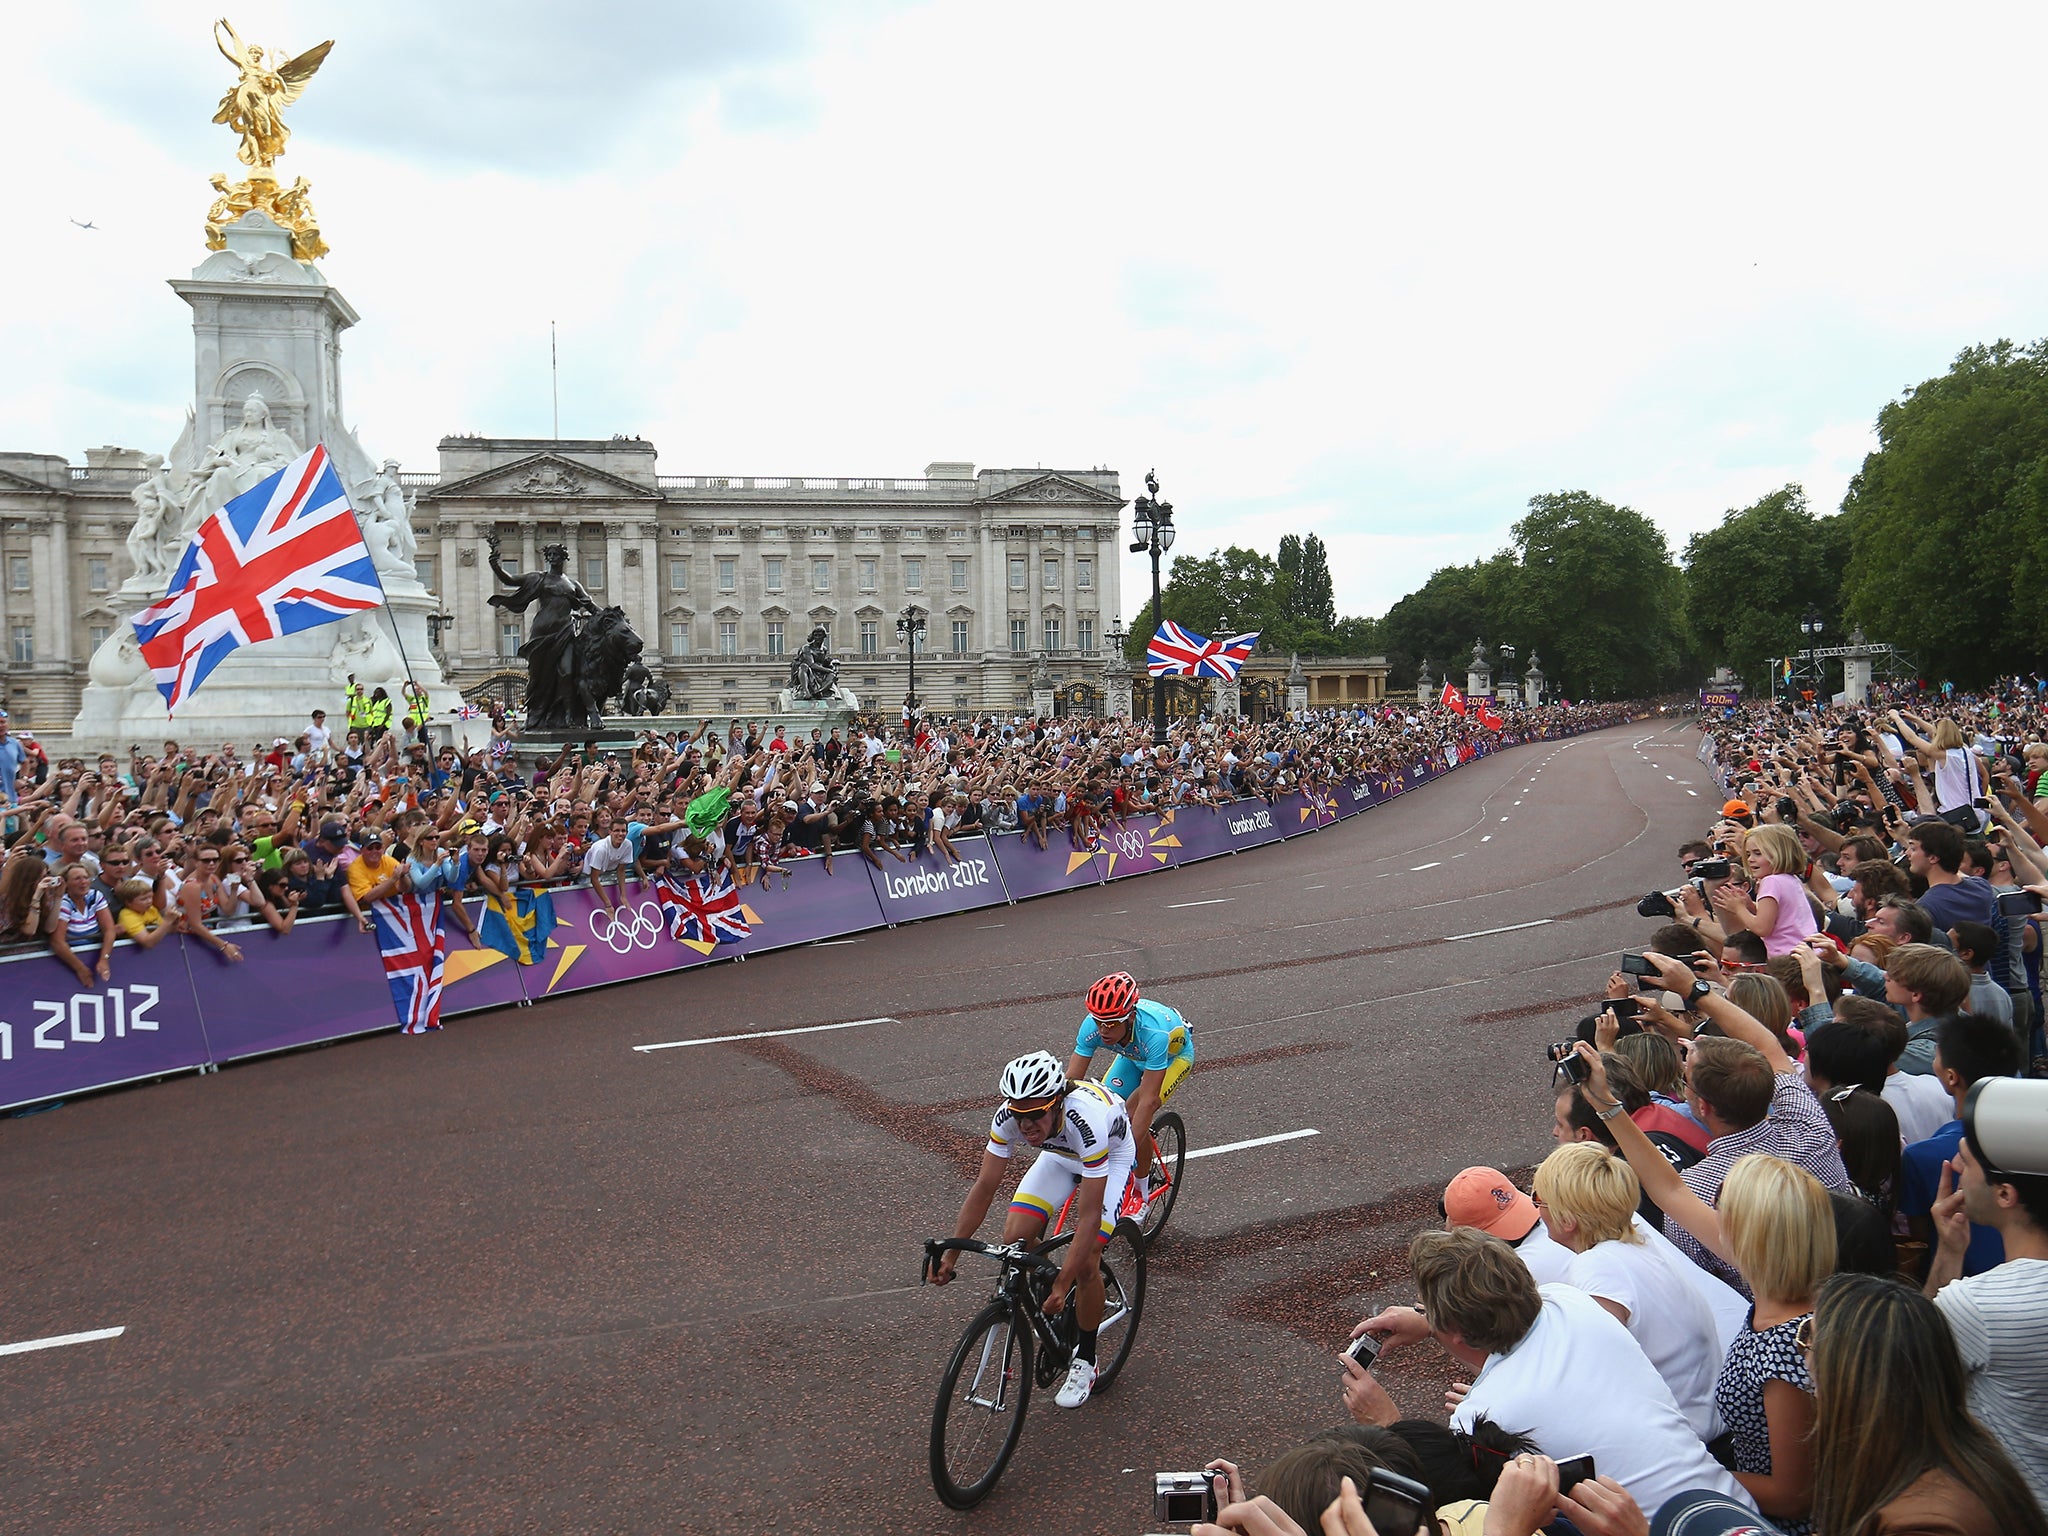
1212, 901
1694, 793
1419, 868
1487, 839
60, 1340
1312, 887
1503, 818
762, 1034
1256, 1141
984, 927
1452, 938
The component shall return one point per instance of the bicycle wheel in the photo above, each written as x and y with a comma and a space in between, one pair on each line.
1123, 1287
1170, 1138
980, 1412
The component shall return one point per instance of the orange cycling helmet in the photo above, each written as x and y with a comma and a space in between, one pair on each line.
1113, 997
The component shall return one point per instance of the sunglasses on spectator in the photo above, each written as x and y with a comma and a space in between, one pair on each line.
209, 858
1802, 1336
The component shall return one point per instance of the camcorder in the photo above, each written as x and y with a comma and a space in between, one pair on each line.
2005, 1120
1183, 1498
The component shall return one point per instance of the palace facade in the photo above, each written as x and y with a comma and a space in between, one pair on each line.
724, 577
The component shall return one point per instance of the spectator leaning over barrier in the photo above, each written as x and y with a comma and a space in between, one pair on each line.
1967, 1049
85, 921
369, 870
1749, 1094
1486, 1200
1550, 1363
1926, 984
1587, 1197
609, 855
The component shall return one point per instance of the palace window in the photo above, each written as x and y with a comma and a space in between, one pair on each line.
774, 637
96, 574
821, 575
17, 572
423, 568
913, 574
1051, 574
593, 572
1084, 573
1084, 634
867, 567
960, 637
509, 636
771, 573
24, 643
679, 637
870, 637
959, 575
1052, 634
1020, 636
1019, 575
728, 637
679, 573
728, 572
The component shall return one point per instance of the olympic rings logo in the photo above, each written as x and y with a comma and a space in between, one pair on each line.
628, 929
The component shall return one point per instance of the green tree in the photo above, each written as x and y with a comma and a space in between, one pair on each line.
1592, 586
1949, 517
1439, 620
1315, 596
1751, 580
1290, 575
1237, 584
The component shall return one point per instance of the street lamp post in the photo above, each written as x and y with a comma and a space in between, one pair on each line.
1152, 533
910, 628
1810, 627
1507, 670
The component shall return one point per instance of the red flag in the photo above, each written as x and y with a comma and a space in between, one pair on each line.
1489, 719
1451, 699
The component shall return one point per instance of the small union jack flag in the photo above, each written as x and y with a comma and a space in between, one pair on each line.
283, 556
415, 947
705, 909
469, 711
1178, 652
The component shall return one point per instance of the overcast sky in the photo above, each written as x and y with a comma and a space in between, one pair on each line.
1382, 273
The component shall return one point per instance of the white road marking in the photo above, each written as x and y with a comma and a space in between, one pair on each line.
1312, 887
1452, 938
1210, 902
1418, 869
1256, 1141
1671, 776
1694, 793
763, 1034
1487, 839
983, 927
1503, 818
59, 1340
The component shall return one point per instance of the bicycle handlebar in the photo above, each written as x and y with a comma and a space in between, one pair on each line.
1006, 1253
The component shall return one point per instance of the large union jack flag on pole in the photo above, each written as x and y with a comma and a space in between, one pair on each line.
414, 944
1177, 652
283, 556
705, 910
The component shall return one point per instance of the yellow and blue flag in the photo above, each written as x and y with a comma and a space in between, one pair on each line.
522, 932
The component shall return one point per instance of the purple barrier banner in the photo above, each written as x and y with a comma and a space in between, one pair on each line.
57, 1037
1029, 870
592, 946
933, 886
808, 905
1204, 833
1141, 845
322, 981
1355, 795
1307, 811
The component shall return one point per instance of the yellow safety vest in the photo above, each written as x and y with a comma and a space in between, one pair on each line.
358, 706
379, 714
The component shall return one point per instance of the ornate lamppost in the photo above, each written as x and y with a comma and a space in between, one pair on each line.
910, 627
1152, 533
1810, 627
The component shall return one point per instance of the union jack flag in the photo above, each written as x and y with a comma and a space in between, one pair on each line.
469, 711
705, 909
283, 556
415, 947
1177, 652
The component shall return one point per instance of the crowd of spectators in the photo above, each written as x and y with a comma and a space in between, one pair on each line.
203, 843
1769, 1279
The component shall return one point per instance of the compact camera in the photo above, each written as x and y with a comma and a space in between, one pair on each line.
1570, 1065
1183, 1498
1365, 1349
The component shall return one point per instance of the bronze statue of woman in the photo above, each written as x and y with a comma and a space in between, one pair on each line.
557, 694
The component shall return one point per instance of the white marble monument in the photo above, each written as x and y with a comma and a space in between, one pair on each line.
267, 386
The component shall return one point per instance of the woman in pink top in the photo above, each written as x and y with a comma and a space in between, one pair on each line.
1780, 915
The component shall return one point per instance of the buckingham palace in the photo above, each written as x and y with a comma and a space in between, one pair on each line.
724, 577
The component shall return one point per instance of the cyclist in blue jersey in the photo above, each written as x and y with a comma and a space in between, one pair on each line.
1154, 1050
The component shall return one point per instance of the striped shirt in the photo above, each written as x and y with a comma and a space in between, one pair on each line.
82, 921
2000, 1323
1796, 1130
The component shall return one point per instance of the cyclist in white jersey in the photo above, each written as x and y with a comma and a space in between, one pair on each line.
1082, 1133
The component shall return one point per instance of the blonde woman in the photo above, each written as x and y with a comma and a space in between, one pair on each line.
1958, 779
1780, 915
1775, 1224
1587, 1198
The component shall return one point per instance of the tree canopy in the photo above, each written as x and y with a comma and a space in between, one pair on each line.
1751, 580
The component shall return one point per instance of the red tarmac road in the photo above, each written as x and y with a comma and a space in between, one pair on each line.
522, 1277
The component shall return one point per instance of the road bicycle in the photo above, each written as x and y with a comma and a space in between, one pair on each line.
1011, 1345
1170, 1137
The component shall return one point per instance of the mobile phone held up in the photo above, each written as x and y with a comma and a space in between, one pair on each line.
1572, 1471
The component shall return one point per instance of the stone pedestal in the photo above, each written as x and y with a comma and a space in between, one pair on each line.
1297, 697
1227, 701
1042, 702
827, 714
1118, 692
1856, 679
269, 326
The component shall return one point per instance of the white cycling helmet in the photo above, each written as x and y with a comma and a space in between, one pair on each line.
1034, 1079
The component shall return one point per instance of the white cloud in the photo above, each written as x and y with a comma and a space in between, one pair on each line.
1385, 274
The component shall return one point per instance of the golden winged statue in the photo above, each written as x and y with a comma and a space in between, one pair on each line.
254, 105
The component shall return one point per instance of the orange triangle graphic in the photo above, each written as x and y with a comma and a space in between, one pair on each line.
700, 946
571, 953
464, 963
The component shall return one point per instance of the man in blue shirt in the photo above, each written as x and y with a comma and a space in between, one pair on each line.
1966, 1048
11, 755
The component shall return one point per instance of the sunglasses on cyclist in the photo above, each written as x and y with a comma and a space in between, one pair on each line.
1032, 1111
